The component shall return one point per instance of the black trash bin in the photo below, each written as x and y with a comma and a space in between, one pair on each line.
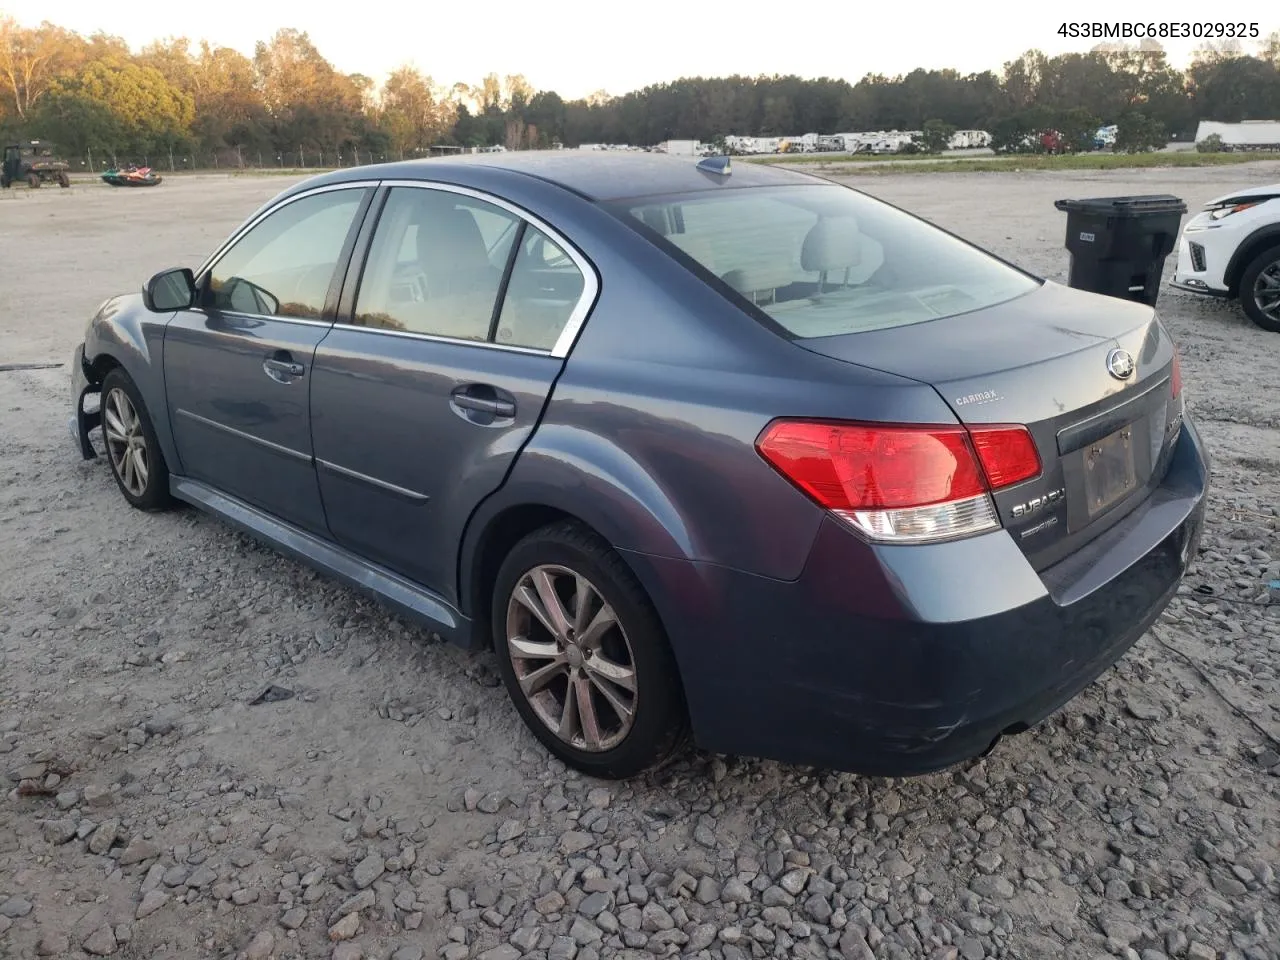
1118, 245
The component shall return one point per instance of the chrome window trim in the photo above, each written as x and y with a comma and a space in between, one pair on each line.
437, 338
235, 238
577, 317
244, 228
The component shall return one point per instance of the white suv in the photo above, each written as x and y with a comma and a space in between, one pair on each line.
1232, 249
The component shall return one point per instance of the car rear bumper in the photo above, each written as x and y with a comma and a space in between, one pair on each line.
902, 661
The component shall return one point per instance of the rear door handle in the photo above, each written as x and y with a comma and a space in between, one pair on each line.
499, 408
277, 368
485, 400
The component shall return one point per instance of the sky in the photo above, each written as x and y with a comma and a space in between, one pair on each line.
576, 47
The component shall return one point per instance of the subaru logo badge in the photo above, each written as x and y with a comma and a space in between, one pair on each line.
1120, 364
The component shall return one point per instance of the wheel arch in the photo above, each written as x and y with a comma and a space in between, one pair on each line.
487, 544
124, 334
566, 475
1258, 241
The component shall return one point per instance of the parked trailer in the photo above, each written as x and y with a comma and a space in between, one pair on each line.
1246, 135
969, 139
680, 148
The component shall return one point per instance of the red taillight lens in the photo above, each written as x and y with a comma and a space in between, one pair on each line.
855, 467
898, 482
1176, 377
1008, 454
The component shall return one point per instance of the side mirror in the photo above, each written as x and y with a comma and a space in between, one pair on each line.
170, 290
244, 296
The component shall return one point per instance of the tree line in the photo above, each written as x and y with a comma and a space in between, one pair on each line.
93, 95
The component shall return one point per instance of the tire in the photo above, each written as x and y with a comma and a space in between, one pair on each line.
64, 180
633, 641
131, 442
34, 181
1262, 274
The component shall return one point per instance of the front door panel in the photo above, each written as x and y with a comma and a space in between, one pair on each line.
240, 422
238, 365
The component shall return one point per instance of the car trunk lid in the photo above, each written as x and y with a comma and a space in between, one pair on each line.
1043, 360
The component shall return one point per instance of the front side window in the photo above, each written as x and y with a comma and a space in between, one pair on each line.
283, 266
826, 260
436, 264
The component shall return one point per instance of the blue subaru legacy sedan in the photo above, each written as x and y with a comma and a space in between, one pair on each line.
697, 449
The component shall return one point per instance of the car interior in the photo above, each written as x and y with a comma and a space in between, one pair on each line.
820, 268
446, 277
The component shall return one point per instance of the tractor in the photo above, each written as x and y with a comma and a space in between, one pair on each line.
35, 162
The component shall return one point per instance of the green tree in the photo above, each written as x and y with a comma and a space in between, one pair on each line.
1138, 133
935, 136
118, 106
1078, 127
412, 113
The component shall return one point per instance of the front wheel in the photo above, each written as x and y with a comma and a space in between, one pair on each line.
136, 460
1260, 289
584, 656
34, 181
64, 180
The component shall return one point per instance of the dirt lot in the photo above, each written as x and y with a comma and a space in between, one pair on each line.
394, 807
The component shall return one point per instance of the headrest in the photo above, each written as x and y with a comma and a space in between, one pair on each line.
832, 244
449, 240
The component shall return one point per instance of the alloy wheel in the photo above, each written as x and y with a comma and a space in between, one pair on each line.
126, 443
1266, 291
571, 657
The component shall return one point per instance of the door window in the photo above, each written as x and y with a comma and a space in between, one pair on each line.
436, 264
284, 265
544, 289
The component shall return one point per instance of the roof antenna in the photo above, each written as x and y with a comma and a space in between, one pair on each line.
717, 165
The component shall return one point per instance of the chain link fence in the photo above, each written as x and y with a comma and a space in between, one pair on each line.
230, 161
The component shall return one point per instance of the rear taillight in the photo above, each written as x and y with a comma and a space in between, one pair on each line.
903, 483
1175, 378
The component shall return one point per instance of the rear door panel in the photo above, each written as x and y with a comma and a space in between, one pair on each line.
401, 466
413, 427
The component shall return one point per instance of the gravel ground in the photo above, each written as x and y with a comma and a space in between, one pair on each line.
394, 807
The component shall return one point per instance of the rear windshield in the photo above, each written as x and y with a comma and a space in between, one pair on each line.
826, 260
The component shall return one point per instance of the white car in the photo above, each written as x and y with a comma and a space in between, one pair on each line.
1232, 249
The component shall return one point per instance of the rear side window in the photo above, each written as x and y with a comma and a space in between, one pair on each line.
825, 260
543, 292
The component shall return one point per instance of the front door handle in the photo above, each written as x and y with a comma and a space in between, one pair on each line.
484, 400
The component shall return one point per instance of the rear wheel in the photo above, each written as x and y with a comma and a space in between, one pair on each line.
584, 656
1260, 289
136, 460
34, 180
64, 180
